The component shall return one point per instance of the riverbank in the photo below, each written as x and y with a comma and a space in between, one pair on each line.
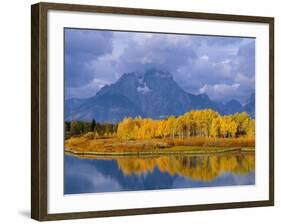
113, 146
180, 150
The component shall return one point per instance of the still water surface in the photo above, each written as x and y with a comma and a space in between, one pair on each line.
90, 175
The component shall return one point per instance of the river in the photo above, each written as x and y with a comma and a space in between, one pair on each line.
92, 175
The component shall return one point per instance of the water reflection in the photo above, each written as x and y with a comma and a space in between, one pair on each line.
205, 168
86, 175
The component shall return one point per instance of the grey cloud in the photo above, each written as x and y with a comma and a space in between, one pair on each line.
82, 46
195, 61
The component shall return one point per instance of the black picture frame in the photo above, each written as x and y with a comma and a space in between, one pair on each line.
39, 105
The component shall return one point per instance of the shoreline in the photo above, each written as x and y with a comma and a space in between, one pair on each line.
85, 145
157, 152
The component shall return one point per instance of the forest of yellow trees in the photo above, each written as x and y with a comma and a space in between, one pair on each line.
196, 123
200, 128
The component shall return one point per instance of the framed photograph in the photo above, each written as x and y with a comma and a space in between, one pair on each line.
140, 111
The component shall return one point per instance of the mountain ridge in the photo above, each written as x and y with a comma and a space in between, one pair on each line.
153, 94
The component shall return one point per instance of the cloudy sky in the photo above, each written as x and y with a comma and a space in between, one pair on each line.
221, 67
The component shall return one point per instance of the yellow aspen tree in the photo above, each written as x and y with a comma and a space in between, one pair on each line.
215, 130
172, 125
251, 129
126, 128
232, 128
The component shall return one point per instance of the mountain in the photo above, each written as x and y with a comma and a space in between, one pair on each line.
153, 94
105, 108
232, 106
249, 107
71, 105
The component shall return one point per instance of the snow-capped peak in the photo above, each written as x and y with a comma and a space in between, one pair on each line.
143, 88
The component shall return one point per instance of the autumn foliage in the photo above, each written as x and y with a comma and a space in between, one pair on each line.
197, 123
200, 128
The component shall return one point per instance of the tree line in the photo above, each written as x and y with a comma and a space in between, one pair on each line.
196, 123
73, 128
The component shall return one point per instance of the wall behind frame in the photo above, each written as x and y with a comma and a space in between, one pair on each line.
15, 111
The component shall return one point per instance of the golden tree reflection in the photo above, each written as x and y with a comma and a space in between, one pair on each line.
204, 167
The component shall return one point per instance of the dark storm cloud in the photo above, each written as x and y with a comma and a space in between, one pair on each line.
222, 67
244, 61
81, 47
157, 51
235, 77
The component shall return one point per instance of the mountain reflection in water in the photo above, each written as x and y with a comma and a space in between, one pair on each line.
90, 175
